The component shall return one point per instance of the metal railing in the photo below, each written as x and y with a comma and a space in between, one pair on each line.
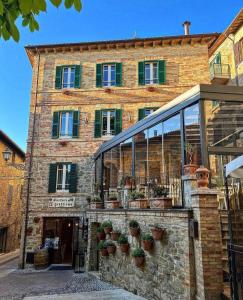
220, 71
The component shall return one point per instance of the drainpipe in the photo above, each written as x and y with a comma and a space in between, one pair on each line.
30, 166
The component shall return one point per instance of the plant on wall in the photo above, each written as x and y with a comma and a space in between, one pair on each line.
139, 256
134, 228
123, 242
148, 241
107, 226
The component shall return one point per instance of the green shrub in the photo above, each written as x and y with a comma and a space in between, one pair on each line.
133, 224
137, 195
123, 239
100, 229
109, 243
147, 237
113, 196
102, 245
160, 191
138, 252
107, 224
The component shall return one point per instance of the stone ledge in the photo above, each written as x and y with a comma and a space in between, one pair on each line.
204, 191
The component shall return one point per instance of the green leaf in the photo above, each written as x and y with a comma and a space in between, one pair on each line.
56, 2
77, 5
40, 5
25, 6
36, 25
6, 35
1, 7
68, 3
14, 31
25, 21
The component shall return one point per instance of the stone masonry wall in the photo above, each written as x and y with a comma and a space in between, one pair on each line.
166, 274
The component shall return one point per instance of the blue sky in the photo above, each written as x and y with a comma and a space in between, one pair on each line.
99, 20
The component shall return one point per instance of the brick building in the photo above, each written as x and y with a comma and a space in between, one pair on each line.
11, 183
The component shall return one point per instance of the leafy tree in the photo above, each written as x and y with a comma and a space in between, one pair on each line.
11, 10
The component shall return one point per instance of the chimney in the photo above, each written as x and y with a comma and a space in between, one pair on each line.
186, 25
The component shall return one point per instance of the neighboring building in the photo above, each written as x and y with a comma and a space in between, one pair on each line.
11, 183
226, 55
82, 95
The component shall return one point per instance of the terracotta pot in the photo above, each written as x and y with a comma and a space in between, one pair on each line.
63, 143
139, 261
115, 236
190, 169
161, 203
104, 252
111, 249
107, 230
101, 236
124, 248
202, 175
95, 205
138, 204
113, 204
147, 244
158, 233
134, 231
151, 89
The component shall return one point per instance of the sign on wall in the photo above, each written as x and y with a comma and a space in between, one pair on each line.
62, 202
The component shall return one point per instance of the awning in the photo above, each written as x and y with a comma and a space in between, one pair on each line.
235, 168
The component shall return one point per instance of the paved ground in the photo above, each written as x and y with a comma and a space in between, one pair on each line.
18, 284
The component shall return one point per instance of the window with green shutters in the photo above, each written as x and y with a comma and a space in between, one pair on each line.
65, 124
109, 74
68, 76
107, 122
151, 72
144, 112
62, 177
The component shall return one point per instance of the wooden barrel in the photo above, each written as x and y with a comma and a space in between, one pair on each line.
41, 259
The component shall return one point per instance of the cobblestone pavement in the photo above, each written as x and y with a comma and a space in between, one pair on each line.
17, 284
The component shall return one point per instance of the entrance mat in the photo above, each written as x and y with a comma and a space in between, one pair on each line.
60, 267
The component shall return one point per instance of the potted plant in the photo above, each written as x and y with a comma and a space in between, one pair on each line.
123, 243
111, 247
102, 247
160, 198
137, 200
96, 203
115, 235
100, 233
139, 256
190, 168
113, 202
148, 241
134, 228
157, 232
107, 226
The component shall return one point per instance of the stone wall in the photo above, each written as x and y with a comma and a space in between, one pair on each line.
167, 273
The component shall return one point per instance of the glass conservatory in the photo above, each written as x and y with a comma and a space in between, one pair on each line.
203, 126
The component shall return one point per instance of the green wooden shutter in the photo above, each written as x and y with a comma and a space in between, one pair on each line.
52, 178
99, 75
97, 125
217, 59
141, 75
55, 125
75, 124
77, 79
162, 72
73, 179
58, 81
141, 114
118, 125
118, 74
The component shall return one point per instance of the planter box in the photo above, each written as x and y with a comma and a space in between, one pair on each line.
139, 203
160, 203
113, 204
95, 205
147, 244
139, 261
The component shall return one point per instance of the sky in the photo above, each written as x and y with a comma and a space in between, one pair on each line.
98, 20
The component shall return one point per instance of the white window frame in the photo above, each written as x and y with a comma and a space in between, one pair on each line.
151, 110
68, 83
64, 174
109, 75
108, 132
66, 135
151, 79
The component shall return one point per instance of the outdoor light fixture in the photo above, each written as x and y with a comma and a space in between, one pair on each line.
6, 154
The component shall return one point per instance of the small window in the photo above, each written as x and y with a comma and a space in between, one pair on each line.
148, 111
68, 77
108, 122
109, 75
66, 124
63, 177
151, 73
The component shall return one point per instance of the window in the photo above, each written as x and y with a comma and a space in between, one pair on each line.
108, 122
66, 124
144, 112
68, 77
109, 75
151, 73
148, 111
63, 177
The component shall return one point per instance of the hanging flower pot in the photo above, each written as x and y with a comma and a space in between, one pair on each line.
148, 242
102, 247
123, 242
100, 233
158, 233
107, 225
111, 248
115, 235
124, 248
202, 175
104, 252
134, 228
139, 257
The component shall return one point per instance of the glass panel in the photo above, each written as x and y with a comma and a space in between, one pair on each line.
155, 72
192, 135
113, 75
141, 162
126, 158
59, 177
112, 122
65, 77
63, 124
104, 122
105, 76
171, 154
67, 179
97, 183
72, 77
147, 73
70, 124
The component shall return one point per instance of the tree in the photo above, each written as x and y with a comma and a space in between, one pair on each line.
11, 10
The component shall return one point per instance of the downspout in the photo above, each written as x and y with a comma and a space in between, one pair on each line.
30, 166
